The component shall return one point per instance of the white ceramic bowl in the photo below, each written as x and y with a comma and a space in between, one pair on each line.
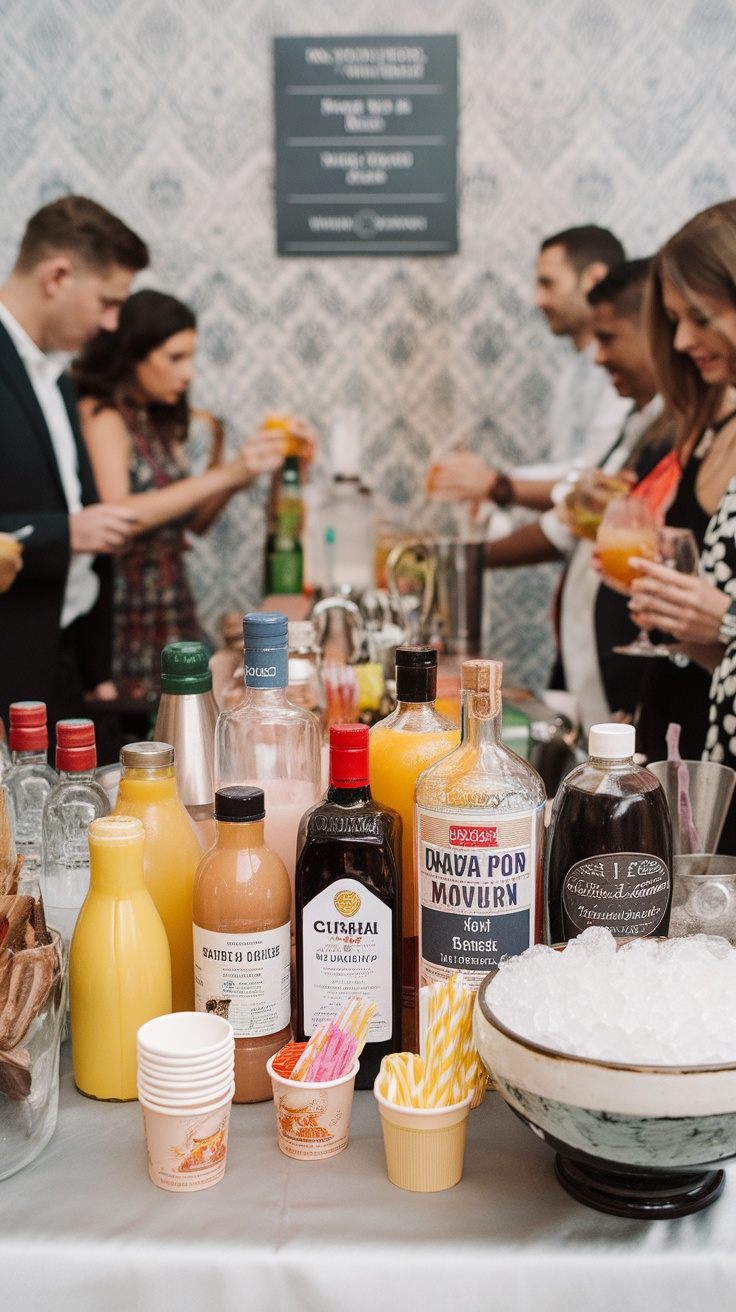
632, 1140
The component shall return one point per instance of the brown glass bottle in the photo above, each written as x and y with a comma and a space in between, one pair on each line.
348, 904
609, 845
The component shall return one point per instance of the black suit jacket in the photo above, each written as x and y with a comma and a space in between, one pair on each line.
31, 492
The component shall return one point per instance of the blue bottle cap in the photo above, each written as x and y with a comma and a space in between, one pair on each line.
265, 630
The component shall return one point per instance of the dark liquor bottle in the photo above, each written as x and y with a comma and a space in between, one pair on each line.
348, 904
284, 555
609, 846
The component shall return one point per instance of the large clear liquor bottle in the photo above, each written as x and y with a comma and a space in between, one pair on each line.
29, 782
73, 803
348, 904
267, 742
480, 818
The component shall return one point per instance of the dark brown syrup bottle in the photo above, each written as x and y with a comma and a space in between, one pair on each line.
609, 845
348, 904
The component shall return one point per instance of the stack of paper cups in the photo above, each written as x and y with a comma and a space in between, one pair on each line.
186, 1084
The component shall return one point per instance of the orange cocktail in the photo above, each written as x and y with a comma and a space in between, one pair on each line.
627, 530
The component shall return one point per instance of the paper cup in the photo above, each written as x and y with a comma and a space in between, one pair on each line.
185, 1036
173, 1075
312, 1120
425, 1146
186, 1148
184, 1097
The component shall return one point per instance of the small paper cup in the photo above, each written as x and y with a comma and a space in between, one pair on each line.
173, 1075
312, 1119
184, 1097
425, 1146
185, 1036
186, 1148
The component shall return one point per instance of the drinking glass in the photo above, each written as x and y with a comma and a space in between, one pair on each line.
627, 529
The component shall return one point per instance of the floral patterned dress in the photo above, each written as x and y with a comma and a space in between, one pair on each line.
153, 601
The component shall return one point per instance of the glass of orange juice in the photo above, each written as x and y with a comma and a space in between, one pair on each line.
627, 529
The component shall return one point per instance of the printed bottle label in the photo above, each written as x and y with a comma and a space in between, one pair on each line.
478, 888
244, 977
347, 940
626, 892
267, 669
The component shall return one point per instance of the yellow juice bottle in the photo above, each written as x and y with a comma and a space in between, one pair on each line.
409, 740
119, 967
171, 855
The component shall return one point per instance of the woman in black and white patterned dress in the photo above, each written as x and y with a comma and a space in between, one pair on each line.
692, 313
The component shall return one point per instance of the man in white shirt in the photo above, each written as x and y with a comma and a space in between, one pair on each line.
73, 271
593, 619
586, 413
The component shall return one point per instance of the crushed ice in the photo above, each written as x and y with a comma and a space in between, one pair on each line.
670, 1003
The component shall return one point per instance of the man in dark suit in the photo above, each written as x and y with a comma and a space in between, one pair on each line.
73, 271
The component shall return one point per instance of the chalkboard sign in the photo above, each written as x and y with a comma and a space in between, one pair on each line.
366, 145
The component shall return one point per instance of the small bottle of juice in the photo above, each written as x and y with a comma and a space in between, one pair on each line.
119, 967
242, 938
172, 853
412, 738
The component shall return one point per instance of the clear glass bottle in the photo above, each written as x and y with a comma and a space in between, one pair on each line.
242, 938
8, 854
187, 716
29, 782
348, 904
171, 854
73, 803
284, 554
480, 822
407, 742
5, 757
609, 845
268, 743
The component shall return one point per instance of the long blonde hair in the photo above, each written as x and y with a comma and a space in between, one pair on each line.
700, 260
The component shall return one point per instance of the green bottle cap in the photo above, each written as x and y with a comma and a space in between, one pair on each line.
185, 668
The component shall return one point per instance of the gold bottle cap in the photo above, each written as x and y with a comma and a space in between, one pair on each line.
147, 756
116, 829
482, 676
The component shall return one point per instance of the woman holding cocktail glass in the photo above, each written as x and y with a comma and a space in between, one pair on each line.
692, 313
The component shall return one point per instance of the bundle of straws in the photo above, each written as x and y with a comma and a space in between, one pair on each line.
451, 1068
332, 1049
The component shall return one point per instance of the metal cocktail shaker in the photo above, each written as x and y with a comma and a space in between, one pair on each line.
187, 716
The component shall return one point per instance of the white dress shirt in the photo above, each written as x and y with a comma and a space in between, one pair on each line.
580, 590
44, 370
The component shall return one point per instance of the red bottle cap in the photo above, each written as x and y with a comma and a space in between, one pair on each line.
28, 731
349, 756
75, 745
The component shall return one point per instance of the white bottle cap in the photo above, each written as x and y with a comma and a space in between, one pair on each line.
613, 742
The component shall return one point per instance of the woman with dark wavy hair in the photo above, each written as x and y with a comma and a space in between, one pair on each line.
692, 314
135, 416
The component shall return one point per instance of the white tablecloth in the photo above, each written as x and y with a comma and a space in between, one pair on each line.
83, 1230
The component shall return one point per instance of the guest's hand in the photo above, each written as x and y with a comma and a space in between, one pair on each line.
460, 476
104, 692
101, 528
681, 604
262, 453
11, 561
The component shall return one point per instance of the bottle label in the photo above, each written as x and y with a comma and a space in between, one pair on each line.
244, 977
478, 890
626, 892
267, 669
347, 942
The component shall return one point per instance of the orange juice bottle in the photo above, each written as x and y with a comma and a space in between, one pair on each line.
412, 738
119, 968
171, 855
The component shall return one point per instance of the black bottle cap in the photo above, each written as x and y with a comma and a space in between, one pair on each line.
416, 674
239, 803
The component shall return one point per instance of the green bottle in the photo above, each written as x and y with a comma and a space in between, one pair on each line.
284, 555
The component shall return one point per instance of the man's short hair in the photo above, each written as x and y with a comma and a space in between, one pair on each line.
78, 226
623, 288
588, 245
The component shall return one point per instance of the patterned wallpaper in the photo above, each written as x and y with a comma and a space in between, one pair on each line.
616, 111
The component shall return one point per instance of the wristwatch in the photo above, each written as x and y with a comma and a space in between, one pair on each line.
727, 631
502, 491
